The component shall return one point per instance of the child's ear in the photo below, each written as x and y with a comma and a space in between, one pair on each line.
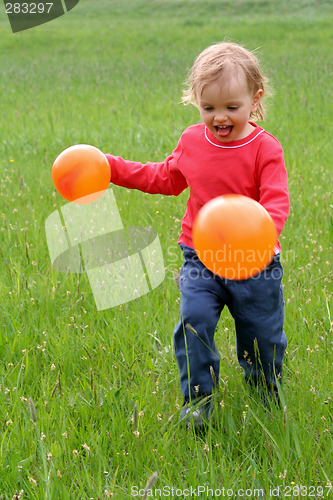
256, 99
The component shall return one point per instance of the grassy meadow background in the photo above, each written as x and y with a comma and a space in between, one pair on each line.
110, 73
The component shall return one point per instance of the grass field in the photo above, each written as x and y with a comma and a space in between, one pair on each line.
110, 73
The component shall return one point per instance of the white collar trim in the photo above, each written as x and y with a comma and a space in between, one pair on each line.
233, 147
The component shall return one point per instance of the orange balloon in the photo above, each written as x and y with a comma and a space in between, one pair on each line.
81, 173
234, 236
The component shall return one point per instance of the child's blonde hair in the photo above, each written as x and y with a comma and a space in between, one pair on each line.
219, 62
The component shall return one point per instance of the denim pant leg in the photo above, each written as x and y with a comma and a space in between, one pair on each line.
258, 310
201, 306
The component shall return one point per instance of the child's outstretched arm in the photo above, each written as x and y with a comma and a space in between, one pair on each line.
152, 177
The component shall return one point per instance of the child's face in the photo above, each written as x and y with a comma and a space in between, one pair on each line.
226, 109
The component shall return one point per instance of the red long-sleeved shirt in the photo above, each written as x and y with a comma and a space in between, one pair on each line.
253, 167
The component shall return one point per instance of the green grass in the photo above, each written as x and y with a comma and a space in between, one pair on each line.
111, 75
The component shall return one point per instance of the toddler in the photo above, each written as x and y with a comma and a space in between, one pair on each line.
226, 153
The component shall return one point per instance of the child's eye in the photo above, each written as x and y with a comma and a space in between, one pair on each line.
232, 108
208, 108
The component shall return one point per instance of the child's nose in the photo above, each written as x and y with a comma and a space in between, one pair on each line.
220, 117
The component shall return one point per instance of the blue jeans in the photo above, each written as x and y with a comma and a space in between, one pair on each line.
257, 307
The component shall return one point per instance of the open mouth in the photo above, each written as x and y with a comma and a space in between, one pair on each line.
223, 130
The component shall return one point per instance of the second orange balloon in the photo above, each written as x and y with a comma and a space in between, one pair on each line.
234, 236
